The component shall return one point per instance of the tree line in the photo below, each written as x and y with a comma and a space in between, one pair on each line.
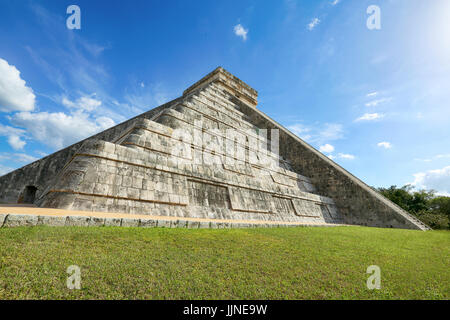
431, 209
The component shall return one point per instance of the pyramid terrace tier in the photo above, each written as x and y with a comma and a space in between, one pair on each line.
215, 148
113, 178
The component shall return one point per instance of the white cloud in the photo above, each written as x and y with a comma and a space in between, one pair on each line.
327, 148
59, 129
335, 2
19, 157
318, 134
372, 94
41, 153
14, 136
139, 99
16, 142
375, 103
104, 122
438, 180
424, 160
300, 130
4, 170
14, 94
314, 22
438, 156
240, 31
330, 132
370, 117
344, 156
385, 144
84, 103
92, 48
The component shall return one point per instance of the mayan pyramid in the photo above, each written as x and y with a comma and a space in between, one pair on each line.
207, 154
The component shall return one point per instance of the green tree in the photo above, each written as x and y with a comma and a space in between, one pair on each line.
425, 205
441, 205
400, 196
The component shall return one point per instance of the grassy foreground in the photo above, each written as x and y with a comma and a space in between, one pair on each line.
279, 263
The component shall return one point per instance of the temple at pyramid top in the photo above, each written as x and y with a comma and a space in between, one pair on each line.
209, 154
232, 84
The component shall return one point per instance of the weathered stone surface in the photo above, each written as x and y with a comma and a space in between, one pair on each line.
163, 223
209, 154
77, 221
18, 220
179, 224
97, 222
130, 222
204, 225
2, 219
148, 223
113, 222
193, 224
52, 221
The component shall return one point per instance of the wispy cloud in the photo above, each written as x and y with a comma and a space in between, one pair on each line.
372, 94
438, 179
384, 144
370, 117
436, 157
86, 103
141, 98
335, 2
76, 65
300, 130
423, 160
18, 157
15, 136
318, 134
5, 169
343, 156
375, 103
14, 158
240, 31
314, 22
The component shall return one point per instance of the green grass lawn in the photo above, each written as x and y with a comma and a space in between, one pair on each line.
278, 263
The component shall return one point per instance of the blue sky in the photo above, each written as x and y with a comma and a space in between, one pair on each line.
375, 101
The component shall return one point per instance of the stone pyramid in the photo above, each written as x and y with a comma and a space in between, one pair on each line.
207, 154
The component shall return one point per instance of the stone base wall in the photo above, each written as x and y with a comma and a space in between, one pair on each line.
16, 220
